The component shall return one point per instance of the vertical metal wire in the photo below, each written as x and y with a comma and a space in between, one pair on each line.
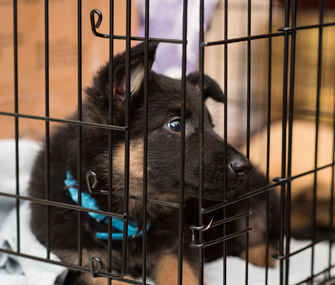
225, 135
248, 138
284, 117
248, 80
145, 144
182, 149
331, 208
127, 134
267, 175
110, 134
290, 138
79, 128
47, 129
318, 95
16, 110
201, 135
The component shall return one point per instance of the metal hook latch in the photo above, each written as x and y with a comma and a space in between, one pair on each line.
96, 25
92, 181
95, 270
194, 228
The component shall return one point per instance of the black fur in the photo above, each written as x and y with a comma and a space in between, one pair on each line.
164, 97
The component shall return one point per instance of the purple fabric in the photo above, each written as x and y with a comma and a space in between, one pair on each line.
166, 21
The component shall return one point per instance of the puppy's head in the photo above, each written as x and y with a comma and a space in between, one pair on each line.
164, 132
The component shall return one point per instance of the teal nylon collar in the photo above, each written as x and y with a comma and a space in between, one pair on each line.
88, 201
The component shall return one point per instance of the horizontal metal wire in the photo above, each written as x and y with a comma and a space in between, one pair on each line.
325, 271
62, 205
221, 222
284, 180
328, 279
243, 39
281, 32
282, 257
154, 201
215, 241
260, 105
135, 197
158, 40
101, 273
240, 198
288, 29
96, 24
71, 122
262, 189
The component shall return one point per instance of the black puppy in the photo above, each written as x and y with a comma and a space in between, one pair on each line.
164, 98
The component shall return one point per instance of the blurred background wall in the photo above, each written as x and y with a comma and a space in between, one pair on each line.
63, 57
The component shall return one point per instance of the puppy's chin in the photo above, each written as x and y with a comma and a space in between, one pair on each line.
218, 195
215, 194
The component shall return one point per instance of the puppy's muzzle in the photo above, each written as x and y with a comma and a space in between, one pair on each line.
239, 167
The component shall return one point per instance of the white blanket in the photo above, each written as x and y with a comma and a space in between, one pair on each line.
13, 269
23, 271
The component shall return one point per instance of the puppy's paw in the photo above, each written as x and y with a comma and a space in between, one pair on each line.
167, 271
257, 255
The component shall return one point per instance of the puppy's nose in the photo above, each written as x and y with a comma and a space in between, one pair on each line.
240, 166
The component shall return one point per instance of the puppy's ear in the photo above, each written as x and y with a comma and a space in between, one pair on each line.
211, 88
136, 70
99, 91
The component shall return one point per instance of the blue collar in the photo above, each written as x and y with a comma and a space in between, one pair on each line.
88, 201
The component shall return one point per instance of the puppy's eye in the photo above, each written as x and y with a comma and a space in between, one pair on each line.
175, 125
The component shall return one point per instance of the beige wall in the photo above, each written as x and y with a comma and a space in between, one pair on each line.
63, 58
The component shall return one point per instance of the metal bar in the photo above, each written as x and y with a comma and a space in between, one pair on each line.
154, 201
287, 256
248, 139
225, 238
127, 140
283, 165
307, 27
79, 128
134, 38
156, 40
145, 145
290, 138
323, 114
266, 36
225, 137
70, 122
201, 135
267, 175
16, 110
298, 111
243, 39
240, 198
318, 95
61, 205
101, 273
47, 127
135, 197
182, 149
221, 222
110, 136
285, 180
309, 279
331, 208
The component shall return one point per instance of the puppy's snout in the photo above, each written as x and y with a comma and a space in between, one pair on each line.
240, 166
